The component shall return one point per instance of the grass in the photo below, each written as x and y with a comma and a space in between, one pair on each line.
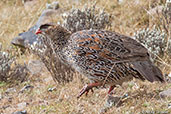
127, 18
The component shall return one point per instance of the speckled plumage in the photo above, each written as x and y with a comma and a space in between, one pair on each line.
104, 57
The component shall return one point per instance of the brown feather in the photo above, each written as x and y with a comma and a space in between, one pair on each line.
148, 70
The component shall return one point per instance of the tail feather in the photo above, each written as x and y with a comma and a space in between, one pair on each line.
148, 70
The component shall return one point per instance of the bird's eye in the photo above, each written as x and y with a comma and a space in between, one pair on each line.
45, 26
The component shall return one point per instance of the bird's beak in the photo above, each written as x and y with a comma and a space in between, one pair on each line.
38, 31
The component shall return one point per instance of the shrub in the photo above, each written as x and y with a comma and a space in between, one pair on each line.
87, 18
157, 40
154, 40
9, 73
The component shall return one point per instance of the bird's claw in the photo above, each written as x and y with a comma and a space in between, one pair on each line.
85, 89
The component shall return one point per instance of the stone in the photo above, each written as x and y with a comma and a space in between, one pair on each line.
10, 90
169, 75
1, 97
25, 39
20, 112
112, 101
120, 1
24, 1
26, 88
169, 106
22, 105
52, 89
35, 66
53, 5
165, 93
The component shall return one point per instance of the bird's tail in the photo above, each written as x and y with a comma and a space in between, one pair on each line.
148, 70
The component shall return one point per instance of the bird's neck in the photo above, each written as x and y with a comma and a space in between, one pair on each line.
62, 46
63, 42
60, 37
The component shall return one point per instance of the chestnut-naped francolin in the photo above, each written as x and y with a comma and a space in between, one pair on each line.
105, 57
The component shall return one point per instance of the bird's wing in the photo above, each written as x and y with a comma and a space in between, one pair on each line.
103, 49
109, 45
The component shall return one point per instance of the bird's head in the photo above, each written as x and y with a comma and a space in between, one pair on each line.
56, 33
45, 29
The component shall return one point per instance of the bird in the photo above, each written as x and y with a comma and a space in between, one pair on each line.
105, 57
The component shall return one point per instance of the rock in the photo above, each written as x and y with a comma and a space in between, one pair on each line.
120, 1
112, 101
35, 66
26, 88
9, 99
52, 89
25, 39
22, 105
169, 75
1, 97
165, 94
20, 112
48, 16
24, 1
53, 5
169, 106
10, 90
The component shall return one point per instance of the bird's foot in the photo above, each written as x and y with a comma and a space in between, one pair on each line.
87, 88
110, 92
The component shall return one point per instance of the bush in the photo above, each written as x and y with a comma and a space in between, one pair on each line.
87, 18
157, 40
9, 73
154, 40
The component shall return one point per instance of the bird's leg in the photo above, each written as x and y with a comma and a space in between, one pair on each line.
110, 89
88, 87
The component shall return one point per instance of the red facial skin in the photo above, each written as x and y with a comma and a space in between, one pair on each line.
38, 31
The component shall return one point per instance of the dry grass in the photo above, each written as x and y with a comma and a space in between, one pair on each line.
127, 18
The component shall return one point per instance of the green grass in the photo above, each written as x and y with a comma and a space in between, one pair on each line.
2, 84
